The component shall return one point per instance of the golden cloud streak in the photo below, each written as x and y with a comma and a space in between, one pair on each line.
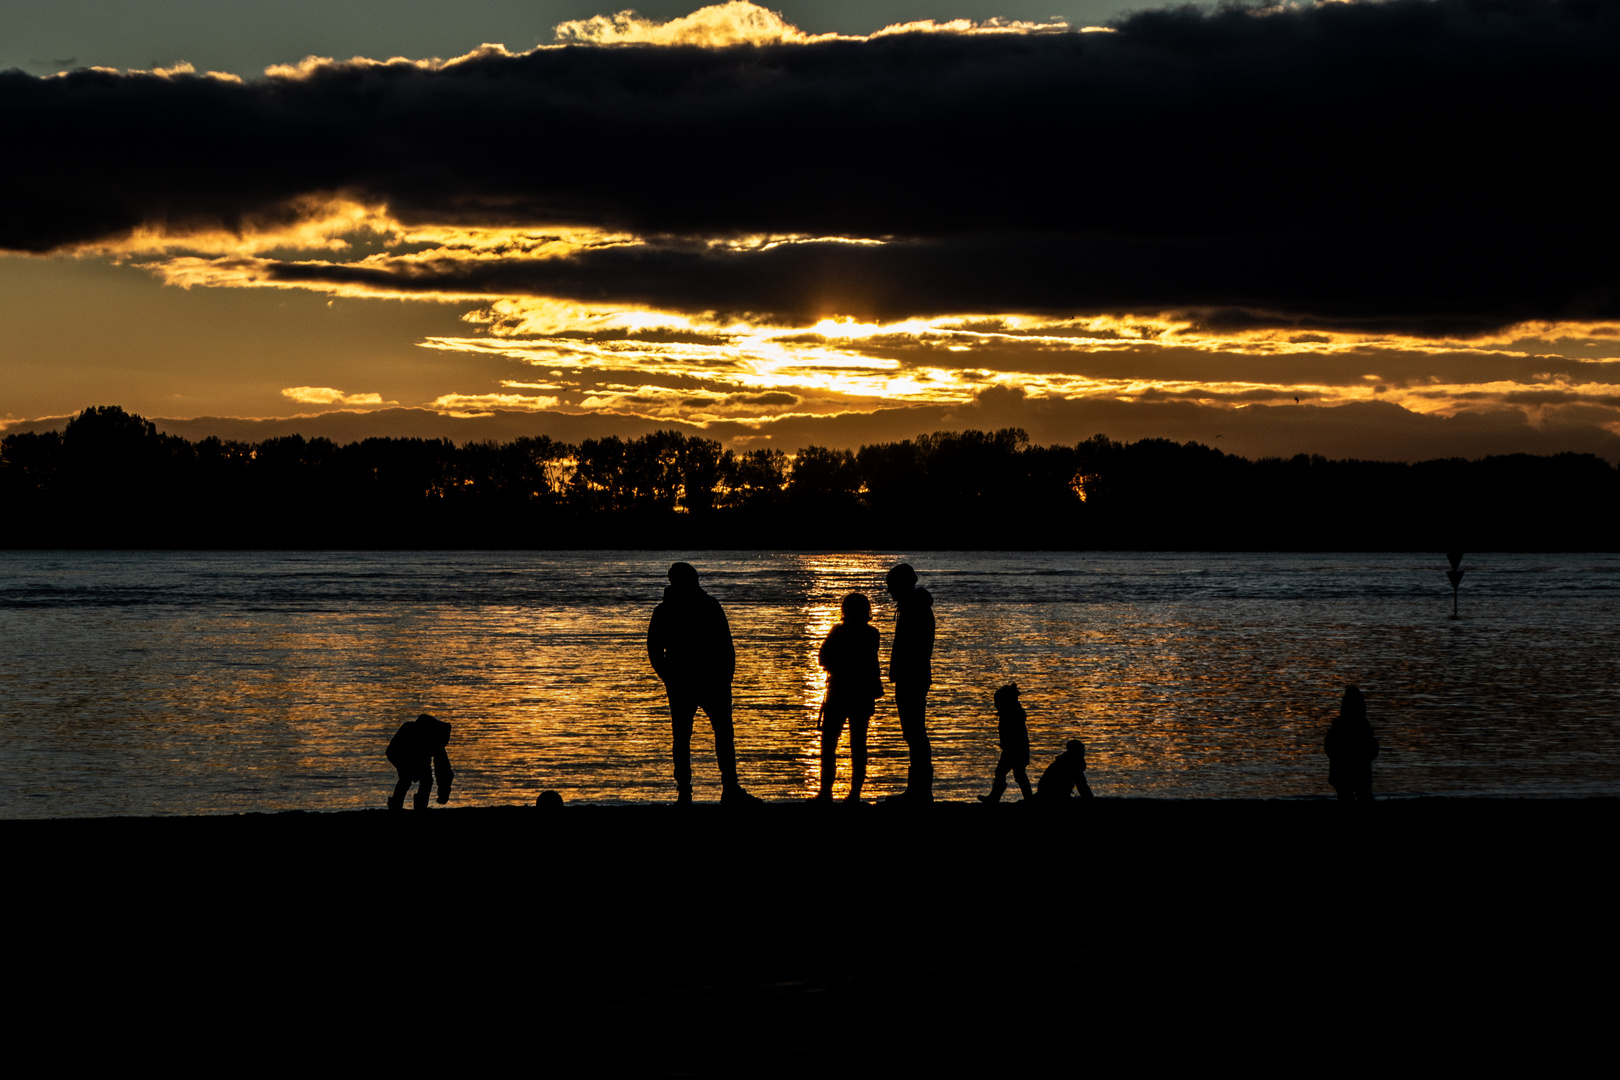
716, 26
829, 367
329, 223
309, 65
326, 395
741, 23
465, 405
835, 364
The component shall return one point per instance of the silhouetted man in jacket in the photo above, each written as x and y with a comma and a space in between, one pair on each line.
689, 644
911, 670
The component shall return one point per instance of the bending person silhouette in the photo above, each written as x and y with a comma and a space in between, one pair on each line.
689, 644
1066, 773
417, 751
1013, 730
911, 670
1351, 747
854, 683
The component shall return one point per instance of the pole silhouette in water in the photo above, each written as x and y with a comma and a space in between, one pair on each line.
1454, 575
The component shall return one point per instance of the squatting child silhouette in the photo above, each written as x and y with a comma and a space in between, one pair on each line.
417, 750
1064, 775
854, 683
1013, 731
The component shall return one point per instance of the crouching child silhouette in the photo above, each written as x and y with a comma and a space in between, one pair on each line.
417, 750
1012, 727
1064, 775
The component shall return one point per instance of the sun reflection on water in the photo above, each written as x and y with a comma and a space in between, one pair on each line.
831, 578
172, 682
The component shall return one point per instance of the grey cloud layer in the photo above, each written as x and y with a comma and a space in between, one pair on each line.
1423, 164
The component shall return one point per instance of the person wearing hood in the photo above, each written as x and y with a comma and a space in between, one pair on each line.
1351, 747
689, 644
911, 670
1066, 774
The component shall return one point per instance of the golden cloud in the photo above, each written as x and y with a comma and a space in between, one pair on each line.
485, 404
741, 23
326, 395
330, 223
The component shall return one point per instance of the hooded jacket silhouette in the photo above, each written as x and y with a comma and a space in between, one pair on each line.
1351, 747
689, 641
911, 656
1066, 773
689, 644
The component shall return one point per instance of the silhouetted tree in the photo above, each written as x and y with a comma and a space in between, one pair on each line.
598, 481
652, 471
756, 480
703, 466
111, 479
825, 482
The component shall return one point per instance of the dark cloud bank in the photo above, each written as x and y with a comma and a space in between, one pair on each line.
1428, 165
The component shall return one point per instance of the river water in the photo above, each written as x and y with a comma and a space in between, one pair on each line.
210, 682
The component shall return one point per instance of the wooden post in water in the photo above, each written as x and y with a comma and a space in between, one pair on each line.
1455, 577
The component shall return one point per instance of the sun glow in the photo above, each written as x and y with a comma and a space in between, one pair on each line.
706, 368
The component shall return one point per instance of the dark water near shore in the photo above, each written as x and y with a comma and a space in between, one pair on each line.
175, 682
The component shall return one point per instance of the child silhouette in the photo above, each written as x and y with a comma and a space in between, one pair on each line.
1013, 733
1064, 775
417, 751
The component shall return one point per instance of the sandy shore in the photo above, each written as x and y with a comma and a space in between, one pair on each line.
788, 940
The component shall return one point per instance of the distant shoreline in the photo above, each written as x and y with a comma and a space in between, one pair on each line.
110, 480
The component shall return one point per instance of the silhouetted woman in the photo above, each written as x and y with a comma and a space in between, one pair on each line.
854, 683
1351, 747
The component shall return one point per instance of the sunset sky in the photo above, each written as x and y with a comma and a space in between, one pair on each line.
1363, 230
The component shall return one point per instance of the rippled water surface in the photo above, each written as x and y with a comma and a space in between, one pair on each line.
140, 682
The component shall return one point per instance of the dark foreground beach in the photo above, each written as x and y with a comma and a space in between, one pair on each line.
1127, 935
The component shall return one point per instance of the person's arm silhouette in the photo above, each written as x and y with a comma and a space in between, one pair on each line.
442, 770
658, 644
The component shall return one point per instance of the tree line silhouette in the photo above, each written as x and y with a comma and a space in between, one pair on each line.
110, 479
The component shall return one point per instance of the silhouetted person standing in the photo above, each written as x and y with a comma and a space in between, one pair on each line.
1066, 773
418, 752
689, 644
911, 660
854, 683
1351, 747
1012, 727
